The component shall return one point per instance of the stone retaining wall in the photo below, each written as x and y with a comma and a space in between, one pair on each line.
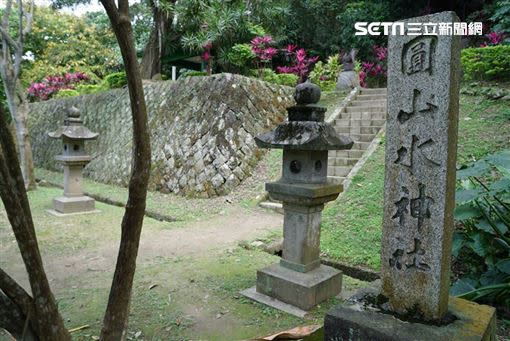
202, 131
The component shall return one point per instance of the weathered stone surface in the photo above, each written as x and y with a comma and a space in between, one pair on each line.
474, 322
303, 290
299, 279
421, 135
68, 205
202, 129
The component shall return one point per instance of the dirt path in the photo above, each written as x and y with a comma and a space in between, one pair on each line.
192, 239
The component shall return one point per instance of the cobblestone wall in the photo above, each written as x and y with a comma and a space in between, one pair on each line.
202, 131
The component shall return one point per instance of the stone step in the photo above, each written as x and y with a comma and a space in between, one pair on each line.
366, 91
347, 130
339, 170
370, 130
360, 145
364, 109
351, 153
359, 123
371, 97
342, 161
338, 179
363, 115
362, 137
369, 103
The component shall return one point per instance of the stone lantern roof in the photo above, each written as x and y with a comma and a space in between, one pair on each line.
305, 129
73, 127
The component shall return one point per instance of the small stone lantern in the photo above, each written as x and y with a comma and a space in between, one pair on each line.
74, 158
299, 279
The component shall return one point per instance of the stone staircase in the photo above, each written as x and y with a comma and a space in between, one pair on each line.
361, 119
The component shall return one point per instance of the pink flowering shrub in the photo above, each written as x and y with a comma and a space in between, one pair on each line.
52, 84
300, 63
494, 38
262, 48
374, 73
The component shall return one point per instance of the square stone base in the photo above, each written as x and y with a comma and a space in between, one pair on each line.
68, 205
474, 322
301, 289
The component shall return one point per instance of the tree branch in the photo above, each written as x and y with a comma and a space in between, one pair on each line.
15, 292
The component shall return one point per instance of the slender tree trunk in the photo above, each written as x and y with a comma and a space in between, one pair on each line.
117, 310
17, 104
12, 191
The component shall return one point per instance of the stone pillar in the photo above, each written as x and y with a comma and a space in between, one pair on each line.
421, 148
301, 237
419, 199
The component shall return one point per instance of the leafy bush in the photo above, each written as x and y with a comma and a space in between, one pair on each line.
86, 89
193, 73
325, 75
270, 76
52, 84
486, 63
300, 63
288, 79
482, 246
66, 93
115, 80
241, 55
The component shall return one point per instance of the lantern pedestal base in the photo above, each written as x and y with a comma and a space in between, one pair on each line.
303, 290
71, 205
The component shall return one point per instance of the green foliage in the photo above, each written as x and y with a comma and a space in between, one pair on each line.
241, 55
64, 43
225, 23
483, 244
86, 89
193, 73
270, 76
478, 89
115, 80
66, 93
325, 75
486, 63
501, 16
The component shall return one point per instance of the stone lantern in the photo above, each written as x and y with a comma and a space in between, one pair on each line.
74, 158
299, 279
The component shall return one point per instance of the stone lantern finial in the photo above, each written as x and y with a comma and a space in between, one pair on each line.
299, 279
74, 158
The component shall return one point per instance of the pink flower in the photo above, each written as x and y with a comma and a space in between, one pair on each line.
495, 38
367, 66
206, 56
381, 52
291, 48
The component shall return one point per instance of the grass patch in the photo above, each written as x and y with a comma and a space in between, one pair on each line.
351, 226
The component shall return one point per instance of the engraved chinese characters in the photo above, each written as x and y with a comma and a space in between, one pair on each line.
423, 86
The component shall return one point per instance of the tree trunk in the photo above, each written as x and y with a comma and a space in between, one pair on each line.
151, 60
17, 103
117, 310
12, 191
155, 49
